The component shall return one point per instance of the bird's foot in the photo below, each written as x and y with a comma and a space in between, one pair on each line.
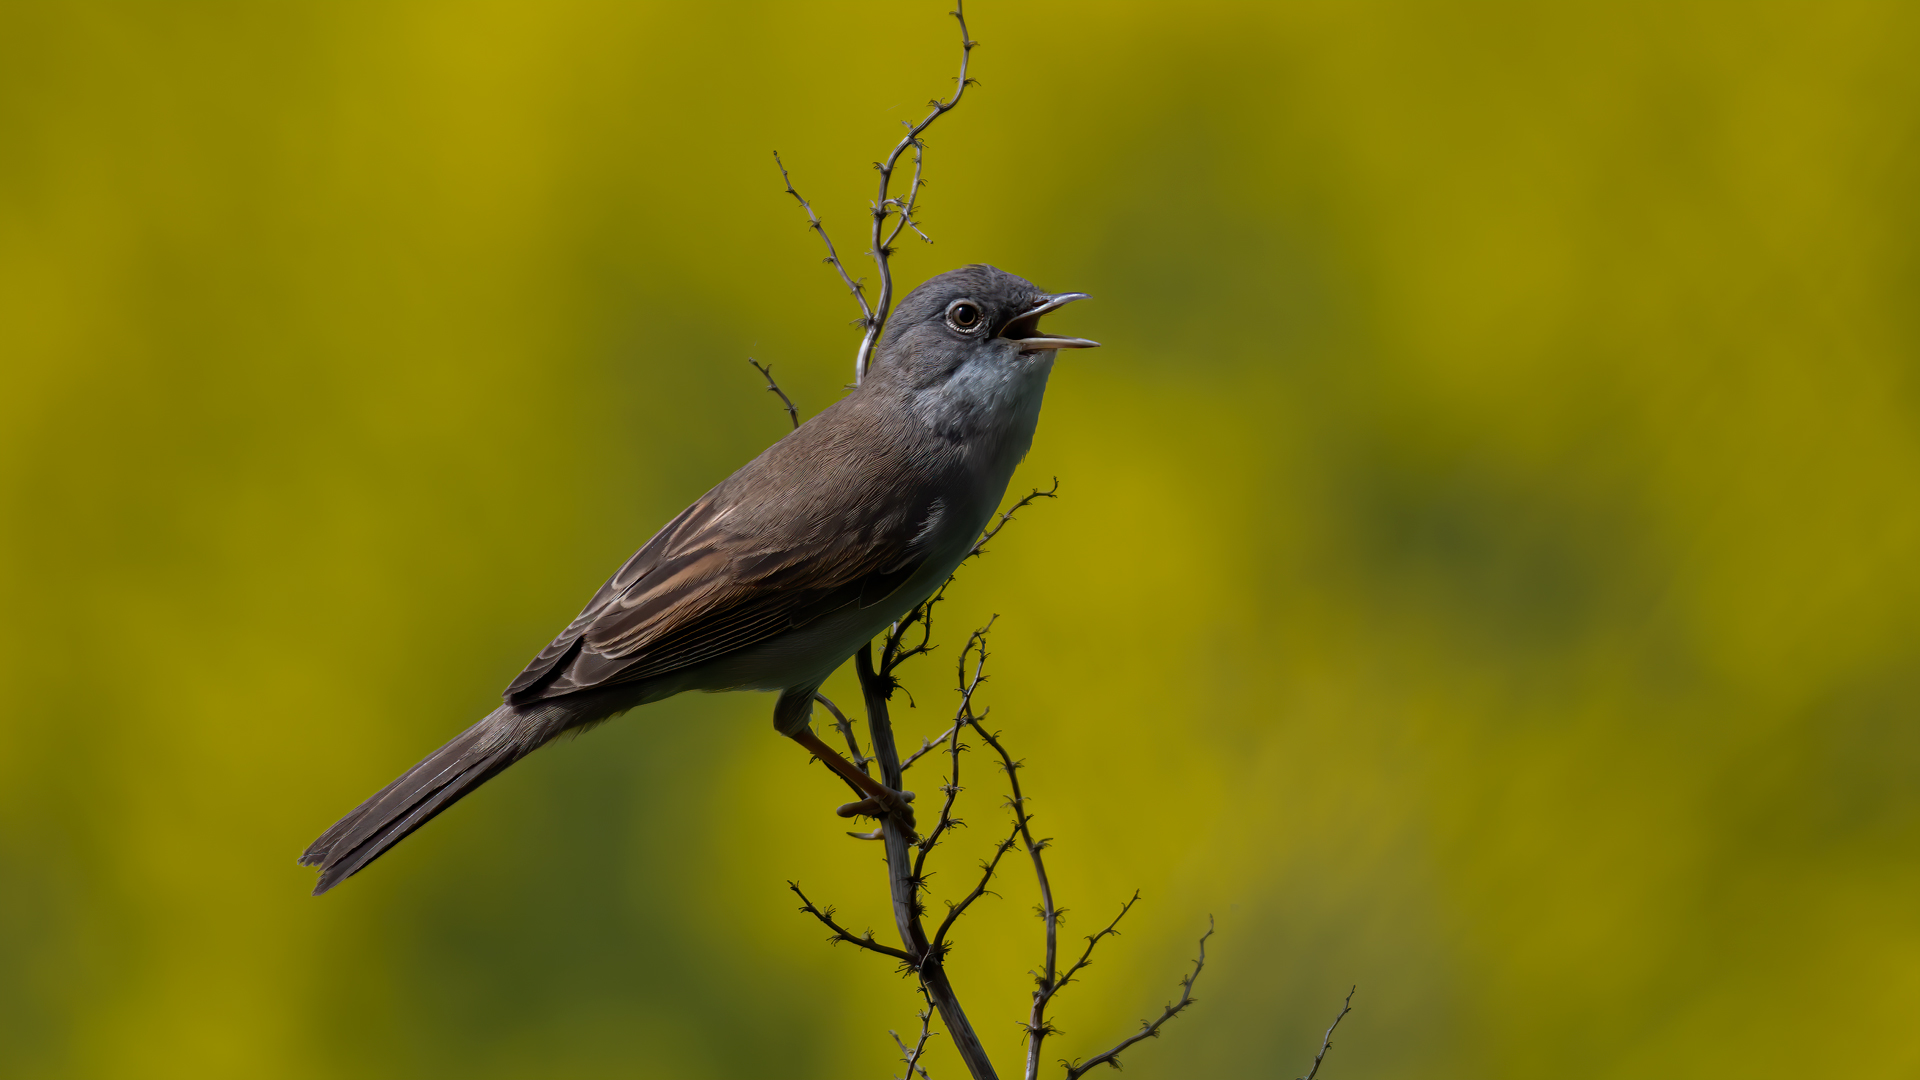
893, 804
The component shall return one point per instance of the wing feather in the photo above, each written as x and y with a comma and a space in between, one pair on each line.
717, 578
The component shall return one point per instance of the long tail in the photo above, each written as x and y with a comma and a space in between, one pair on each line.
472, 758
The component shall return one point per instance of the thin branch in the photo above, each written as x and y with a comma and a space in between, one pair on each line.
1112, 930
1044, 979
793, 414
1148, 1029
833, 257
893, 652
1327, 1042
912, 1055
904, 887
1038, 1026
954, 911
883, 205
976, 643
841, 933
927, 747
951, 789
980, 545
906, 205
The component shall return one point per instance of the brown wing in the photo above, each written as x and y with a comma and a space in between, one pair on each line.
699, 590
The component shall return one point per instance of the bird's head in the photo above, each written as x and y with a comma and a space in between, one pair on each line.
977, 324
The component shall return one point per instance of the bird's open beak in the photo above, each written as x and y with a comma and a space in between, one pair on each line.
1025, 329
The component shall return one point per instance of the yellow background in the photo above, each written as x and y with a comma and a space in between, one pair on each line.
1485, 569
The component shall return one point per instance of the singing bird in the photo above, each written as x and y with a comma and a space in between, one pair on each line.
776, 577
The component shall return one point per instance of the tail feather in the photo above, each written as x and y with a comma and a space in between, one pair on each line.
470, 759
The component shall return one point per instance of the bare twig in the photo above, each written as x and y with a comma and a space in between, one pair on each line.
1000, 522
926, 747
1148, 1029
1045, 983
883, 205
833, 257
903, 883
906, 205
841, 933
894, 651
977, 643
1112, 930
1044, 979
951, 789
954, 911
911, 1055
793, 414
1327, 1042
1038, 1026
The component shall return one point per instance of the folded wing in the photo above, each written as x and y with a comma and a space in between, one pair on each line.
699, 590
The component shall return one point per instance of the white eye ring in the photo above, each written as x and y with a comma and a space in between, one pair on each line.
965, 316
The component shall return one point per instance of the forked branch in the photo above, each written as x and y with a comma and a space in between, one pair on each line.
883, 204
1112, 929
1149, 1029
988, 867
912, 1055
833, 256
873, 317
921, 954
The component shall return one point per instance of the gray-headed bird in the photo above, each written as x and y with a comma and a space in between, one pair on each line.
776, 577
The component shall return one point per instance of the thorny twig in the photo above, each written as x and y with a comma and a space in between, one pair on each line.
906, 205
911, 1055
987, 869
1000, 522
908, 874
1148, 1029
793, 414
1044, 980
841, 933
894, 651
873, 317
951, 789
926, 747
907, 867
833, 256
1112, 929
1327, 1042
882, 205
976, 643
902, 884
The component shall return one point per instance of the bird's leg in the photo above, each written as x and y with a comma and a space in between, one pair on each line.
793, 717
880, 799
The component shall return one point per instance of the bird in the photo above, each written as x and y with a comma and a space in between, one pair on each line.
775, 577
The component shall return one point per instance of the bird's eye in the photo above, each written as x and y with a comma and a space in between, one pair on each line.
964, 316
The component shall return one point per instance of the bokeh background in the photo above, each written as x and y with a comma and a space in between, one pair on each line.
1485, 569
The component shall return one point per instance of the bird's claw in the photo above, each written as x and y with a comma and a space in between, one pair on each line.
893, 804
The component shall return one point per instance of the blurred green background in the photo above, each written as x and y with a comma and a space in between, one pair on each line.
1485, 569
